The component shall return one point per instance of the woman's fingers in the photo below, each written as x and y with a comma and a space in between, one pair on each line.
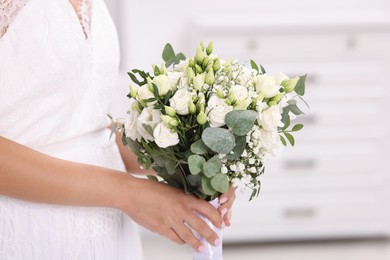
208, 211
188, 237
203, 229
226, 200
173, 236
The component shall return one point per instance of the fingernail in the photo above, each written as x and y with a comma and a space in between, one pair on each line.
201, 249
217, 242
224, 212
222, 200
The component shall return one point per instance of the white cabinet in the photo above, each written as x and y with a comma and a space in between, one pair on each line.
335, 182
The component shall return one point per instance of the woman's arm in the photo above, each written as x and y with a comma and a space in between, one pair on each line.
30, 175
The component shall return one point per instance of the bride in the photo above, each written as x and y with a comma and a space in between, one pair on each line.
64, 190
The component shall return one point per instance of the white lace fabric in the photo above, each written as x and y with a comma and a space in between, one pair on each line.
10, 8
8, 11
54, 97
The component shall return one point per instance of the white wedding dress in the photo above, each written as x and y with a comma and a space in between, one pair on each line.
57, 68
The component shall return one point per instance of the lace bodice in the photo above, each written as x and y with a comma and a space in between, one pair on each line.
10, 8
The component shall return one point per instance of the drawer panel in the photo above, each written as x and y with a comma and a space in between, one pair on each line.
301, 215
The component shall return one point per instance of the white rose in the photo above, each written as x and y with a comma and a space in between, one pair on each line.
176, 79
216, 110
150, 117
131, 123
245, 77
199, 81
239, 92
180, 101
267, 85
270, 141
181, 66
163, 84
270, 118
144, 93
280, 77
164, 137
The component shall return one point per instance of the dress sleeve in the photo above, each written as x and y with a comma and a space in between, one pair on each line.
8, 11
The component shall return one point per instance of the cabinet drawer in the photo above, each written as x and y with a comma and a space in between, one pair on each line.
306, 215
277, 47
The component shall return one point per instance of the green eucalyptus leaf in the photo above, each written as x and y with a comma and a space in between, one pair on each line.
292, 106
199, 147
290, 138
287, 123
168, 52
212, 167
207, 188
297, 127
241, 121
194, 180
170, 165
238, 148
195, 163
220, 183
219, 140
300, 87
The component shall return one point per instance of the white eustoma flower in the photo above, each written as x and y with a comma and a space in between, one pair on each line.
180, 101
163, 84
181, 66
176, 78
280, 77
270, 117
267, 85
164, 137
150, 117
216, 110
199, 81
270, 141
131, 123
239, 92
245, 77
144, 93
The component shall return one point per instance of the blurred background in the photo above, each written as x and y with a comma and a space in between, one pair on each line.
328, 197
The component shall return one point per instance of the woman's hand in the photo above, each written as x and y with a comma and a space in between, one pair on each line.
169, 212
226, 200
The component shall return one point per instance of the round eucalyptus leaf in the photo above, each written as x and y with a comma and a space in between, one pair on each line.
195, 163
238, 149
220, 182
219, 140
199, 147
241, 121
212, 167
207, 188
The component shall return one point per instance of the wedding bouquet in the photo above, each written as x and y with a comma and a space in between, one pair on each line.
204, 123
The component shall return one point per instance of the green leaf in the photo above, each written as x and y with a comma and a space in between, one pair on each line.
300, 87
238, 148
262, 70
155, 88
194, 180
219, 140
212, 166
207, 188
254, 65
297, 127
113, 129
294, 108
167, 97
179, 57
283, 141
168, 52
195, 163
220, 182
290, 138
287, 123
148, 129
241, 121
170, 165
199, 147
